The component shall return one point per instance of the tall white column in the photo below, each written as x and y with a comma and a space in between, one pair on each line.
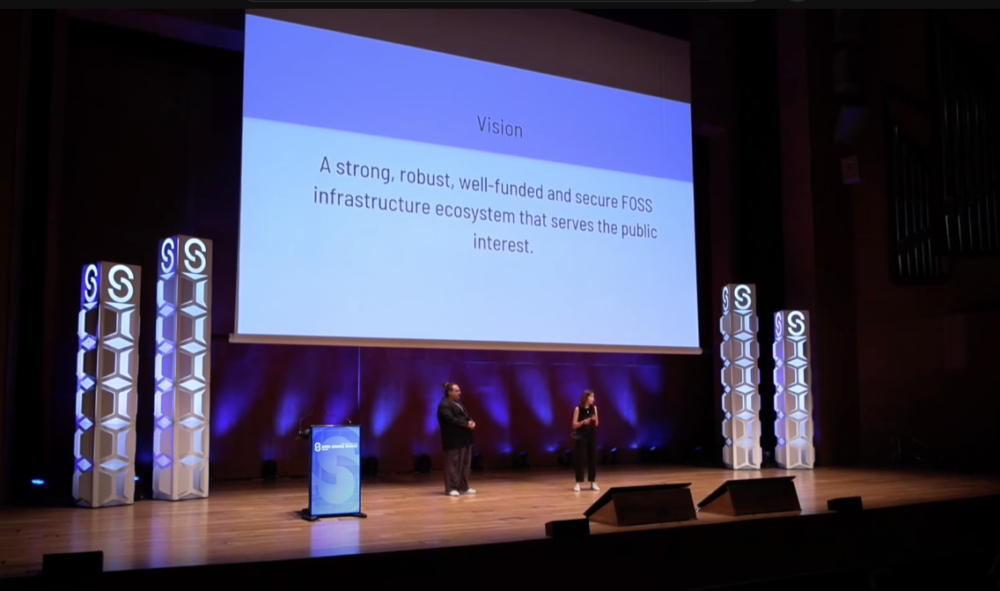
793, 391
740, 377
107, 364
182, 398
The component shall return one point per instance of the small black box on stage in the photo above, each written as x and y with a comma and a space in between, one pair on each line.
845, 504
570, 528
73, 564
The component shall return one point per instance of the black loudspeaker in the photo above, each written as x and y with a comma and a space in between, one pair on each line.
753, 496
570, 528
642, 505
73, 564
845, 505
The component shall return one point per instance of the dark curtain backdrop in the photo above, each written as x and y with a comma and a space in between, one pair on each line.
760, 256
13, 61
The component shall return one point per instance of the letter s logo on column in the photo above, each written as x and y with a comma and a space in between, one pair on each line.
119, 285
194, 255
168, 255
742, 296
796, 324
90, 284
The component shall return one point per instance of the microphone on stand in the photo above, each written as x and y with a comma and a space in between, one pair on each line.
304, 433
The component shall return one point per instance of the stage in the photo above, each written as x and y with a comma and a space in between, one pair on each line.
257, 521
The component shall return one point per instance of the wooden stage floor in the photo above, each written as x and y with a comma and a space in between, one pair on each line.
256, 521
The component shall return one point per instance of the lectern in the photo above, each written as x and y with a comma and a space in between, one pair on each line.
334, 472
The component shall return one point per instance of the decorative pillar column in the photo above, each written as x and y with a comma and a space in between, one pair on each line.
793, 391
740, 377
106, 366
183, 369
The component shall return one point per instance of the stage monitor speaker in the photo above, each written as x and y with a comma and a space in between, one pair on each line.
568, 528
753, 496
73, 564
845, 505
642, 505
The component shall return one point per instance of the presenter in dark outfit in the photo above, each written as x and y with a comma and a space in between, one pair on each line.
585, 430
457, 440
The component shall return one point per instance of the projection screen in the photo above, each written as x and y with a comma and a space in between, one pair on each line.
490, 179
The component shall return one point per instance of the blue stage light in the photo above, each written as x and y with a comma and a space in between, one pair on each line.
37, 482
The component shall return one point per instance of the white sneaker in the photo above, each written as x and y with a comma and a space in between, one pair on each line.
471, 491
577, 487
593, 486
453, 493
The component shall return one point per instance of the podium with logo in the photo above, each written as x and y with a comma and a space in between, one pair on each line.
334, 472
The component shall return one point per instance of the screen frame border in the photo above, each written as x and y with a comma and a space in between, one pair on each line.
250, 339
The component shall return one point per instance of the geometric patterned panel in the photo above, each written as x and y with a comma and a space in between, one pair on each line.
107, 364
740, 377
183, 369
793, 391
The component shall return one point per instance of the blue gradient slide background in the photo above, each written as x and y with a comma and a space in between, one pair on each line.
335, 479
311, 269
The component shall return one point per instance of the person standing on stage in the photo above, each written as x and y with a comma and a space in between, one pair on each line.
585, 432
456, 439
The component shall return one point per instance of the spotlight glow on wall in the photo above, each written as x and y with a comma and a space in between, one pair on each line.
793, 391
740, 377
183, 369
106, 368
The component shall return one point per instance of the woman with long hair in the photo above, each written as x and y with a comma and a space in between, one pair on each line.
585, 423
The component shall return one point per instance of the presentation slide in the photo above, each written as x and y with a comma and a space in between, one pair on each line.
335, 471
402, 196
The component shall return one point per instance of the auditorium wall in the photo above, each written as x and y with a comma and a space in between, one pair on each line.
925, 352
894, 362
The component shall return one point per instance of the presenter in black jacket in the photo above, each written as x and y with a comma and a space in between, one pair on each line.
456, 439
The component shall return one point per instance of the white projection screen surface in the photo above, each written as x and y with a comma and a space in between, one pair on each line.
487, 179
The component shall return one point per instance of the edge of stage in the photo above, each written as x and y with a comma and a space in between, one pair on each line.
498, 535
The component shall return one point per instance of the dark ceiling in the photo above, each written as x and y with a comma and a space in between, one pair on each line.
672, 22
